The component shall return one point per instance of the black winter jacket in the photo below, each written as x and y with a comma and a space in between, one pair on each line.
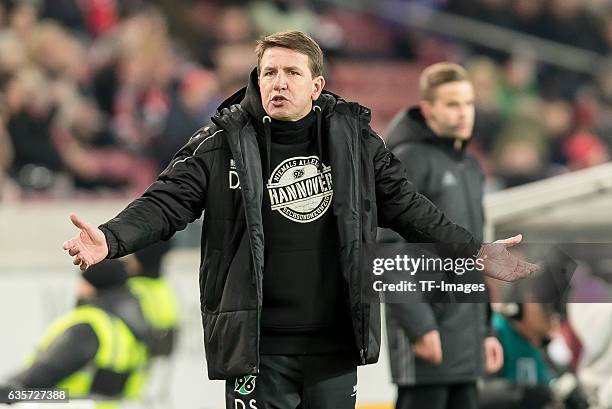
370, 190
452, 179
448, 176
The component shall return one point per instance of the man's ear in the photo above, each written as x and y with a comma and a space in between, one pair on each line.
425, 108
318, 84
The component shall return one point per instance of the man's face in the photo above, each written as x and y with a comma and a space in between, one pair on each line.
286, 84
451, 113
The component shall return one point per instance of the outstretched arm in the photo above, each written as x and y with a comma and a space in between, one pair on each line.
413, 216
409, 213
175, 199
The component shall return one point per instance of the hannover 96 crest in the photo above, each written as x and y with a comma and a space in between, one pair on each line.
245, 384
299, 191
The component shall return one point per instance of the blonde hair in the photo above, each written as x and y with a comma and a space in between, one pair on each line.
439, 74
296, 41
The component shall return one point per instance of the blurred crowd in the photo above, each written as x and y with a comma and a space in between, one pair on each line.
585, 24
97, 95
536, 120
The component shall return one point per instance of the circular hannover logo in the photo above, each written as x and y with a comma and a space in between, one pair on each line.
299, 190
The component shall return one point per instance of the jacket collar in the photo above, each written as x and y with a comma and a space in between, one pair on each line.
414, 128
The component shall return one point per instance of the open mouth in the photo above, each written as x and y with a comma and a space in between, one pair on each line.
278, 98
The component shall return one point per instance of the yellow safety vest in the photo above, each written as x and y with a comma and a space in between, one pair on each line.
159, 307
119, 351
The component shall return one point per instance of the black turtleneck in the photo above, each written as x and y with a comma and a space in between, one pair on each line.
304, 307
304, 302
289, 132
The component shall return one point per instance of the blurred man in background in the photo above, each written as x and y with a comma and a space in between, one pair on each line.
99, 350
436, 350
275, 155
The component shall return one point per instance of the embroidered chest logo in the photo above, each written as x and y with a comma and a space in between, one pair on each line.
299, 191
449, 179
245, 384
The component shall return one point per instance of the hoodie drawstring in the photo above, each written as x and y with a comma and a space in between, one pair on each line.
317, 110
268, 132
268, 135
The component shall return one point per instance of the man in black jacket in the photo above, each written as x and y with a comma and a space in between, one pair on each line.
436, 350
294, 183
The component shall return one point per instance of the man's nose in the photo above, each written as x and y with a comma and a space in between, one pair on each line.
280, 82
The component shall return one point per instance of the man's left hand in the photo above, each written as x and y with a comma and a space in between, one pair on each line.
494, 355
500, 264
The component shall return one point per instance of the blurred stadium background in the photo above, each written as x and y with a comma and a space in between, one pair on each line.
97, 95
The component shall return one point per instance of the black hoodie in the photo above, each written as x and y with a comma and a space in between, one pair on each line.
304, 311
441, 168
446, 173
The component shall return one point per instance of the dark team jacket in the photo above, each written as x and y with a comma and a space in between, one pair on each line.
452, 179
219, 171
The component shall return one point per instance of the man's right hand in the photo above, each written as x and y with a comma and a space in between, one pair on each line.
429, 347
88, 247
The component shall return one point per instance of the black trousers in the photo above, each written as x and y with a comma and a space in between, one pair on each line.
452, 396
296, 382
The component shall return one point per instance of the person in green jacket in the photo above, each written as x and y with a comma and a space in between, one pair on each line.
523, 329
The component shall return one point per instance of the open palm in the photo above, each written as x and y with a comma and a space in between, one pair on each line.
500, 264
88, 247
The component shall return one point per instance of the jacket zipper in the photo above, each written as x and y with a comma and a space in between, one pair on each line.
363, 352
467, 194
254, 274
